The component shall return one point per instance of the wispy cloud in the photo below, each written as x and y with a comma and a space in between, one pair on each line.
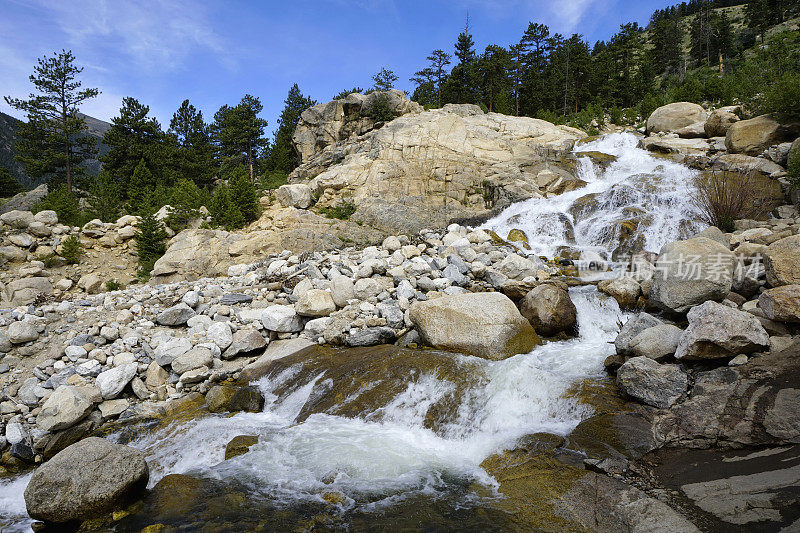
155, 34
567, 13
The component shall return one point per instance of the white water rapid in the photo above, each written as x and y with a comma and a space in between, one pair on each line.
381, 457
655, 192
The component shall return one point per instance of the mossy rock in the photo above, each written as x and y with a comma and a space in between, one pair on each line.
518, 236
600, 158
233, 398
239, 445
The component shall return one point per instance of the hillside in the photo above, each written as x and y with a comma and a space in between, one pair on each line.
8, 125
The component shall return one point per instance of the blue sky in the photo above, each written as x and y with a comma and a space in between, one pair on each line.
162, 52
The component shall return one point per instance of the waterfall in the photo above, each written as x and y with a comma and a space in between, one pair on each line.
640, 193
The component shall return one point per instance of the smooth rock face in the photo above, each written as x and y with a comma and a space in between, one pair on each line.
691, 272
177, 315
781, 303
64, 408
656, 342
342, 290
195, 358
625, 291
782, 261
549, 310
652, 383
25, 291
281, 318
245, 340
315, 303
85, 480
483, 324
675, 116
753, 136
716, 330
111, 382
633, 327
297, 195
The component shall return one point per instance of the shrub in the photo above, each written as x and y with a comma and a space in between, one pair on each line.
272, 180
342, 211
66, 206
615, 115
113, 285
724, 197
9, 186
150, 245
793, 169
104, 197
243, 195
72, 250
380, 110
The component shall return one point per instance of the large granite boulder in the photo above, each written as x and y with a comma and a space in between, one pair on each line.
753, 136
297, 195
27, 290
782, 261
657, 342
631, 329
691, 272
716, 330
84, 480
550, 310
720, 120
675, 116
64, 408
485, 324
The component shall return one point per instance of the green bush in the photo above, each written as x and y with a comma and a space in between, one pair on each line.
793, 169
113, 285
66, 206
9, 186
72, 250
615, 115
381, 110
150, 245
243, 195
225, 213
342, 211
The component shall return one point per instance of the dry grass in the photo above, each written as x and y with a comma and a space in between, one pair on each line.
724, 197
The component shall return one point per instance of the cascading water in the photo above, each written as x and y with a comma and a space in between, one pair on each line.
638, 203
391, 452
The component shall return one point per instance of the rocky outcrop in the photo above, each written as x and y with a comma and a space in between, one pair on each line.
483, 324
85, 480
424, 169
672, 117
690, 272
753, 136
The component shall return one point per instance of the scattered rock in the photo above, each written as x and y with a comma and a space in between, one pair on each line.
239, 445
652, 383
177, 315
21, 332
782, 261
716, 330
549, 310
657, 342
781, 303
64, 408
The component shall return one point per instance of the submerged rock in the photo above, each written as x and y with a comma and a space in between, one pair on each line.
84, 480
239, 445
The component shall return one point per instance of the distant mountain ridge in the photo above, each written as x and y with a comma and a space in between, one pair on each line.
8, 127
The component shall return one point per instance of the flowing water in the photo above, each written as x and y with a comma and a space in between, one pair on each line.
410, 430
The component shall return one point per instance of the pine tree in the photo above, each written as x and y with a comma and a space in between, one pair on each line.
462, 85
134, 137
104, 197
384, 80
282, 156
666, 36
142, 190
8, 185
532, 53
194, 154
493, 68
224, 212
150, 245
53, 144
238, 133
243, 195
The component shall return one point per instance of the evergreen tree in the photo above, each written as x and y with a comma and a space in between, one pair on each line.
384, 80
532, 54
104, 200
493, 68
142, 190
224, 212
243, 195
430, 80
282, 156
238, 133
666, 36
344, 94
8, 185
150, 245
194, 154
53, 144
463, 85
134, 139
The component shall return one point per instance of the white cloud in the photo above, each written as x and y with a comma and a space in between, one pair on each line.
155, 34
567, 13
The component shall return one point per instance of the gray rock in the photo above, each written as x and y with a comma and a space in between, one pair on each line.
220, 334
371, 336
392, 313
405, 290
31, 392
549, 309
64, 408
17, 219
245, 340
656, 342
282, 319
85, 480
111, 382
691, 272
716, 330
635, 325
315, 303
233, 298
452, 273
342, 290
177, 315
27, 290
21, 332
169, 350
195, 358
652, 383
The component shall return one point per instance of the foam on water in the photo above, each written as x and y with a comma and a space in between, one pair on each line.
637, 185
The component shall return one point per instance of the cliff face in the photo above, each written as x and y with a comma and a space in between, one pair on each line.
425, 168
